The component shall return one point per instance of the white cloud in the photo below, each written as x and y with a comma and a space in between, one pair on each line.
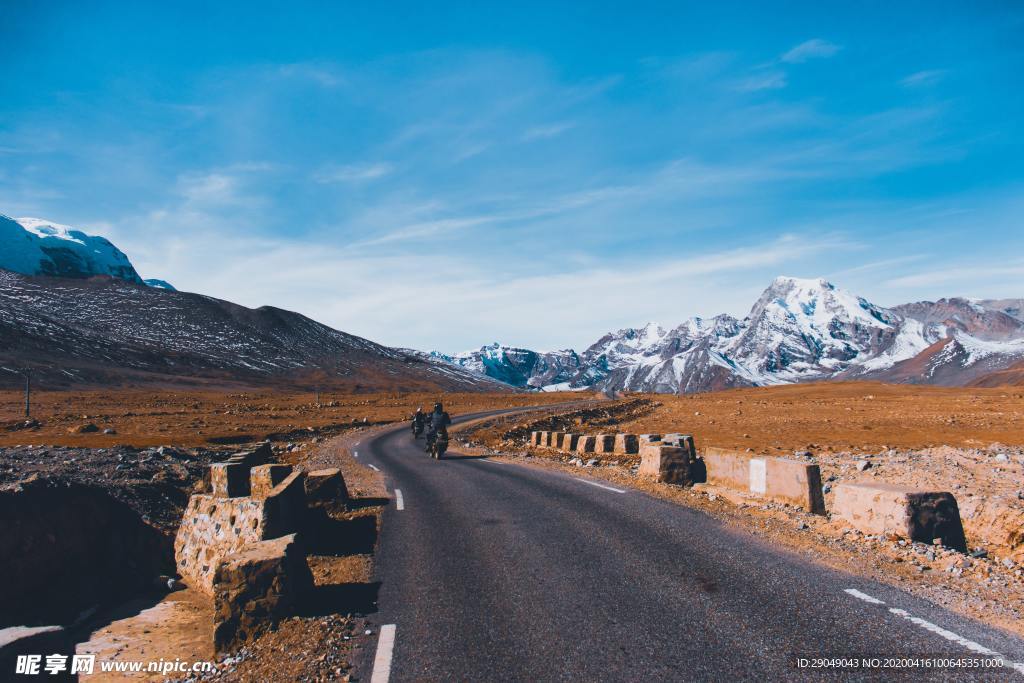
811, 49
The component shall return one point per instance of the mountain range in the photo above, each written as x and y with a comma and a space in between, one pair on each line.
798, 330
74, 309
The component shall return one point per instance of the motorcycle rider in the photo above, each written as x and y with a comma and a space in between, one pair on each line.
418, 420
437, 424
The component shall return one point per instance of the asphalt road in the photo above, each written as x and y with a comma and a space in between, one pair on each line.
501, 572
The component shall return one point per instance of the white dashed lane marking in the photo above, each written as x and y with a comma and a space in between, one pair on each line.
356, 454
399, 501
600, 486
373, 467
382, 661
863, 596
938, 630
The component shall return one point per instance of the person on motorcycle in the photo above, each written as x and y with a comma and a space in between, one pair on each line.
437, 424
418, 420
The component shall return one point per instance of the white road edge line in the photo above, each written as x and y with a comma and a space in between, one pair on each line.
934, 628
863, 596
382, 661
495, 462
600, 486
958, 639
372, 467
399, 501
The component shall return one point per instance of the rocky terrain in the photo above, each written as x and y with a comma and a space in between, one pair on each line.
106, 330
797, 331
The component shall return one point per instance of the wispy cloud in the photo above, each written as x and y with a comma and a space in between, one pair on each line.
546, 131
816, 48
770, 79
349, 173
924, 79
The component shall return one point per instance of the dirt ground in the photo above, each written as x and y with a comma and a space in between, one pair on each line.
201, 418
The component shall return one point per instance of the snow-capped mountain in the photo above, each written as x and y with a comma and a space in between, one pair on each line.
798, 330
518, 367
33, 246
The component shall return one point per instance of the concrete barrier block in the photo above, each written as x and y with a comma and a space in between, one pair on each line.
667, 464
649, 438
229, 479
915, 514
557, 439
727, 468
546, 439
604, 443
326, 486
570, 442
263, 478
586, 444
534, 438
285, 506
795, 482
626, 443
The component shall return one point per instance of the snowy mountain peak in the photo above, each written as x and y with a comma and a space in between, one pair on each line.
35, 246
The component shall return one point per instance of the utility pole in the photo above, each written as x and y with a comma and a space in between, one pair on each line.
28, 392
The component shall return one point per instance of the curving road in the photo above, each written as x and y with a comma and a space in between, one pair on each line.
500, 572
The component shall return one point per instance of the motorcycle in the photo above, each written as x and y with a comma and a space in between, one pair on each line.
437, 443
417, 429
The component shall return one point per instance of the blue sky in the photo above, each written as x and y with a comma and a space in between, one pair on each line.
535, 173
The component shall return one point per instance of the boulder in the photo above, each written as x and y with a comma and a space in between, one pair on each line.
915, 514
256, 587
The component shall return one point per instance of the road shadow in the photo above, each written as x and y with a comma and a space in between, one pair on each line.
362, 503
325, 535
341, 598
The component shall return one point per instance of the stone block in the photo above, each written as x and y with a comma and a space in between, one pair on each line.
260, 455
285, 506
627, 443
586, 444
211, 528
326, 486
604, 443
667, 464
256, 587
914, 514
570, 442
229, 479
263, 478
